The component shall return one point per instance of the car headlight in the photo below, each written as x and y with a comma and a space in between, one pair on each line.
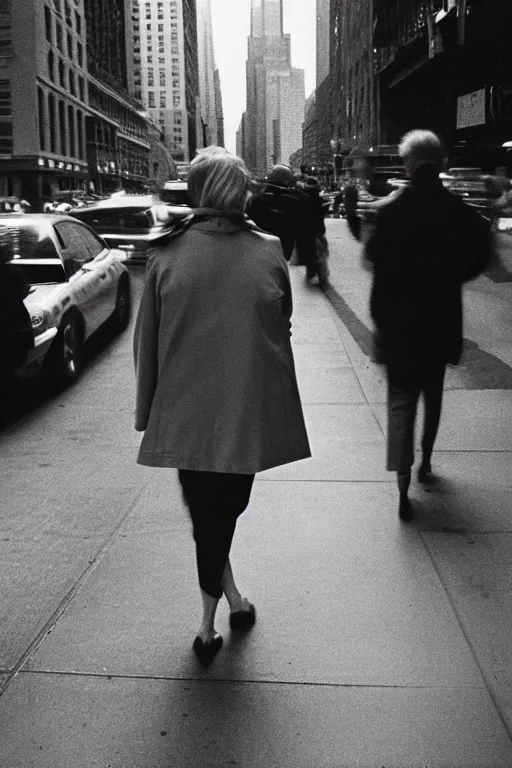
39, 320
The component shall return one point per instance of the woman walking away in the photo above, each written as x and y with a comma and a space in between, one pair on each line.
217, 395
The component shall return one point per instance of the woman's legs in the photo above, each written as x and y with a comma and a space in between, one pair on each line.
215, 500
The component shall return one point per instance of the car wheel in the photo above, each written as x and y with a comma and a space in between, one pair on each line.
123, 305
65, 355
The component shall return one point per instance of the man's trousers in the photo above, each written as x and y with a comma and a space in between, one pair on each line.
407, 379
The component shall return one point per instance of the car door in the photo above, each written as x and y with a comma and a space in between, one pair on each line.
83, 283
102, 263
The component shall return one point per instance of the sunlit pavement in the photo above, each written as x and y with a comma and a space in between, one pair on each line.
377, 643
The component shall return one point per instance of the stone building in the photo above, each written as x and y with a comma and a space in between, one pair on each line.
354, 108
209, 80
163, 70
116, 130
275, 91
43, 98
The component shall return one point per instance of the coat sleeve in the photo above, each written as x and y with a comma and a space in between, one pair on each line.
145, 349
378, 243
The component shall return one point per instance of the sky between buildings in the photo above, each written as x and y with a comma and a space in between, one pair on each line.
231, 28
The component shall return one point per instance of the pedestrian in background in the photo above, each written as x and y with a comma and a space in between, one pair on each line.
312, 246
350, 201
217, 395
279, 207
425, 245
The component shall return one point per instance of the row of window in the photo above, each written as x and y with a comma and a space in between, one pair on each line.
64, 41
64, 76
132, 124
6, 140
65, 123
63, 7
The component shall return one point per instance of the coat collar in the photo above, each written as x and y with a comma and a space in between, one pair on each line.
211, 220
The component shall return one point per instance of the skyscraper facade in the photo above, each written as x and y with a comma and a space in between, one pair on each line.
43, 98
209, 82
161, 42
275, 91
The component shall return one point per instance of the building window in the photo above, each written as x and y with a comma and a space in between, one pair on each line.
71, 130
80, 54
163, 101
59, 37
151, 99
52, 122
6, 140
51, 65
48, 24
41, 118
78, 23
69, 18
81, 88
62, 74
72, 86
162, 78
62, 126
70, 45
80, 134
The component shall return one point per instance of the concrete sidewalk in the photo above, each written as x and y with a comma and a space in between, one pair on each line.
377, 643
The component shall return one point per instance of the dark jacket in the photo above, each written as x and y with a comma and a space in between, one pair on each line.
279, 211
426, 244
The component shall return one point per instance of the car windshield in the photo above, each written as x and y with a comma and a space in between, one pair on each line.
112, 220
25, 240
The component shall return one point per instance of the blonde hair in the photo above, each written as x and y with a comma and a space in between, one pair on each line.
422, 146
217, 179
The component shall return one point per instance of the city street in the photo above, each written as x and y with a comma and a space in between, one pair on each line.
378, 644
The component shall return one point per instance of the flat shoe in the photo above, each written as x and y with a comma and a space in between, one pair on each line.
243, 619
405, 511
425, 476
206, 652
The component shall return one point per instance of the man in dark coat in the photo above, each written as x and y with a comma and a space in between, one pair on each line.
425, 245
311, 243
280, 208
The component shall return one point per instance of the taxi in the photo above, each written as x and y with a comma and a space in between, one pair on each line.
77, 283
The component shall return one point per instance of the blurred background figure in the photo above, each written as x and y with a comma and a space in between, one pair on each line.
279, 207
312, 246
425, 245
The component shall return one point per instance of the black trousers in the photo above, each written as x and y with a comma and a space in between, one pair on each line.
407, 379
215, 501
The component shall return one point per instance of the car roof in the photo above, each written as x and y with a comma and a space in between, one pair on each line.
128, 201
27, 218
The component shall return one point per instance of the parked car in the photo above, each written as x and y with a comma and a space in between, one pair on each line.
76, 281
131, 222
175, 193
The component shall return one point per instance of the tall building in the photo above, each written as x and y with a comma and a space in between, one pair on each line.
354, 104
43, 98
275, 91
209, 81
219, 110
118, 146
162, 53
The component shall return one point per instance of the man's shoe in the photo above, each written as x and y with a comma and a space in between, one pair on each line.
405, 511
243, 619
206, 652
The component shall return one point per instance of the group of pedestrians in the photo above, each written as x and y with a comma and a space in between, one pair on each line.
294, 213
217, 395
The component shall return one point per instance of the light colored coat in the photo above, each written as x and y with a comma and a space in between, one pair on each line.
216, 384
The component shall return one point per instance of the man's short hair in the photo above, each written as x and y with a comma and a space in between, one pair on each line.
422, 146
217, 179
